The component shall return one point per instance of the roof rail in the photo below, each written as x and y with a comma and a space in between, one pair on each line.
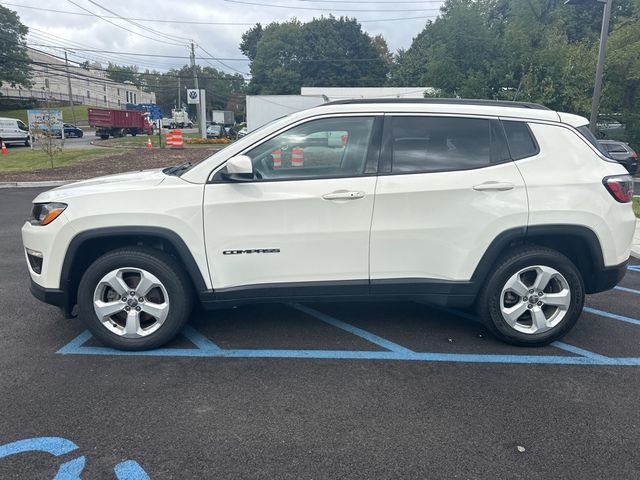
454, 101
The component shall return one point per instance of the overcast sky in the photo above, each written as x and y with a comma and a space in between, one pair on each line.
220, 41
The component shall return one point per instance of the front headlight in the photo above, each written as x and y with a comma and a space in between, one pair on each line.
45, 213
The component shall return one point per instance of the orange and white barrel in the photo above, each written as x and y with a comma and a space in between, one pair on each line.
297, 157
177, 139
277, 158
169, 139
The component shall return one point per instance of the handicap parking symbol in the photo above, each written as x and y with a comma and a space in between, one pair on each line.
72, 469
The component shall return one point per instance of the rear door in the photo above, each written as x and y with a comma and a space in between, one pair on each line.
446, 190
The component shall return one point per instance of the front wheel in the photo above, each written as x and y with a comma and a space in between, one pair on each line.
134, 298
533, 296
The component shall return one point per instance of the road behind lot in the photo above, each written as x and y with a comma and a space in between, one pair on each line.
197, 417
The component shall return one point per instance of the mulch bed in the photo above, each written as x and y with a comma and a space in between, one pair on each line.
119, 162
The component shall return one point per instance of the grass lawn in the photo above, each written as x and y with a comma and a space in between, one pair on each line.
24, 159
636, 206
80, 111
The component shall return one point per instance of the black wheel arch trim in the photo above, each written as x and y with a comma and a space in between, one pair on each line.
185, 256
524, 234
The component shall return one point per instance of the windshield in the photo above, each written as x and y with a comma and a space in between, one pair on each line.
591, 138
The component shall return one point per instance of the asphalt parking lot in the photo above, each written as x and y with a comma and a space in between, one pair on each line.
314, 391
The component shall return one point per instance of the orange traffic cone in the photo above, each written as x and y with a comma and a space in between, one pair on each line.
4, 149
149, 144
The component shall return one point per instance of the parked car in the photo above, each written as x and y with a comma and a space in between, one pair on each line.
455, 202
13, 130
242, 132
622, 153
216, 131
71, 130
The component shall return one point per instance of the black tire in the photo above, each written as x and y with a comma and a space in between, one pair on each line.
489, 300
156, 262
104, 137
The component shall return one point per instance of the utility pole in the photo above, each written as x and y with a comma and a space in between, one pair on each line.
179, 104
195, 80
602, 51
73, 113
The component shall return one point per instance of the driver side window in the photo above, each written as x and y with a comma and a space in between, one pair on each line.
328, 147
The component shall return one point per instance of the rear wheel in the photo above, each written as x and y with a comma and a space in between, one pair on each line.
134, 298
534, 296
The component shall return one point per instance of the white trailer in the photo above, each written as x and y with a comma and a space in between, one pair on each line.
223, 117
261, 109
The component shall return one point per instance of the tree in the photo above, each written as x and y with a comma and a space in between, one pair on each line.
323, 52
14, 61
250, 39
621, 92
124, 73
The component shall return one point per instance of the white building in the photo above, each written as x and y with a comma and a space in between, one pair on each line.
89, 87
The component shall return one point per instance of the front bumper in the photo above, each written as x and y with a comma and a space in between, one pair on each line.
51, 296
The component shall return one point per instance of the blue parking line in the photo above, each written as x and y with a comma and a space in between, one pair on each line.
614, 316
578, 350
199, 340
207, 348
628, 290
589, 358
558, 345
634, 268
368, 336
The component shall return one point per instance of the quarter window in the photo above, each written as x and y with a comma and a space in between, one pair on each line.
520, 140
436, 144
329, 147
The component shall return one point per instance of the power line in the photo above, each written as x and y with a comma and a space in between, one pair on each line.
371, 1
224, 64
289, 7
198, 22
143, 27
120, 26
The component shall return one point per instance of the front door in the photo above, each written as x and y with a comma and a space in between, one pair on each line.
301, 226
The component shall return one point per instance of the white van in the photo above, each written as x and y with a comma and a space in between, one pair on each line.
13, 130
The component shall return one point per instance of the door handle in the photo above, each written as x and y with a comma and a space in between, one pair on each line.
494, 186
343, 195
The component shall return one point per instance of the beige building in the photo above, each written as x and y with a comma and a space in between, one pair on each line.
89, 87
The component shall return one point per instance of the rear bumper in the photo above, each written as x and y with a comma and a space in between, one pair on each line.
608, 277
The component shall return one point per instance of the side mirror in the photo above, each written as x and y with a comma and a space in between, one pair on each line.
238, 169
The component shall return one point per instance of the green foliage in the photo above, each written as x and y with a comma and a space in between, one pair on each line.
533, 50
250, 39
323, 52
14, 61
124, 73
622, 73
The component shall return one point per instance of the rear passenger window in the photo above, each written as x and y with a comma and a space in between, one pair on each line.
520, 140
437, 144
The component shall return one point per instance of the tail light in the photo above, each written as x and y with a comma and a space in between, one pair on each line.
620, 187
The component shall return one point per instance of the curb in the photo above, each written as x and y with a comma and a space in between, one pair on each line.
51, 183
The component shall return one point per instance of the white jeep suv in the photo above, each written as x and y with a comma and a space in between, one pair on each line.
510, 208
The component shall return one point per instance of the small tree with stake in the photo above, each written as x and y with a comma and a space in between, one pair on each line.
46, 136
